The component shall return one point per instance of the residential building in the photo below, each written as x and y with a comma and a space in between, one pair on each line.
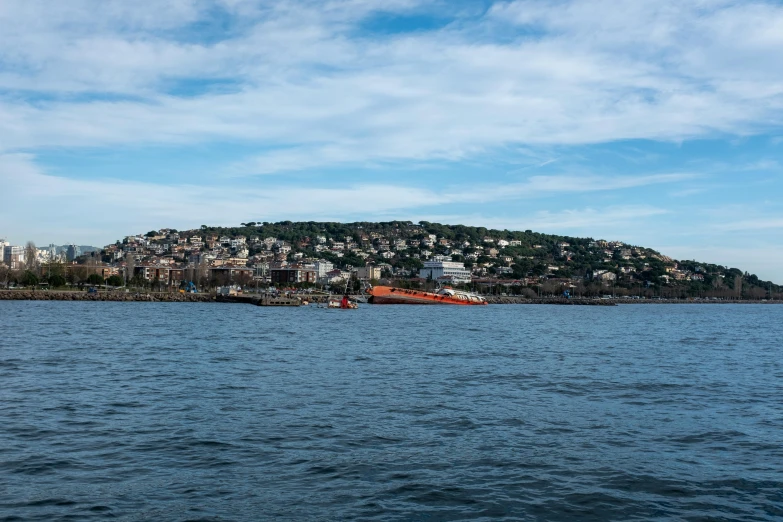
335, 276
323, 267
164, 274
226, 274
366, 273
72, 252
13, 257
293, 274
603, 275
42, 255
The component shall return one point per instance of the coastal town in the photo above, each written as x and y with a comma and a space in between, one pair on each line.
352, 256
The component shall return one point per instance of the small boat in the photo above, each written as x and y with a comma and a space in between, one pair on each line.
341, 302
445, 296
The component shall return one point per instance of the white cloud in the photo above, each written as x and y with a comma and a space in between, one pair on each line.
303, 77
128, 205
536, 186
94, 210
300, 85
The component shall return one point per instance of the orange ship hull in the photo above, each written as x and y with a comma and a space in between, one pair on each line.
389, 295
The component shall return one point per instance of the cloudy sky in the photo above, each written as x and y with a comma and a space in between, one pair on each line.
656, 123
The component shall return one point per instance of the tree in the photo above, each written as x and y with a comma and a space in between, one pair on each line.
5, 274
130, 267
115, 280
243, 279
30, 256
95, 279
29, 278
79, 274
56, 281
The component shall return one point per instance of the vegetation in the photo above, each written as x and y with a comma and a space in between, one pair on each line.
115, 280
503, 261
29, 278
56, 281
634, 270
95, 279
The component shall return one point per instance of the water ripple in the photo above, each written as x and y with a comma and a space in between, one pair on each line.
145, 411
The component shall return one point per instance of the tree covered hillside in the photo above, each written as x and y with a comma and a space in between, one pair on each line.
522, 256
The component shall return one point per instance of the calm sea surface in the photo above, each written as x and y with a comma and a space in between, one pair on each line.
139, 411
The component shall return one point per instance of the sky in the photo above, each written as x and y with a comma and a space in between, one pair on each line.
655, 123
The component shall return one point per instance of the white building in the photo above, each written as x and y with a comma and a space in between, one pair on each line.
42, 255
435, 269
13, 257
323, 267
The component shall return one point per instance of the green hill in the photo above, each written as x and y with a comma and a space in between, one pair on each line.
522, 256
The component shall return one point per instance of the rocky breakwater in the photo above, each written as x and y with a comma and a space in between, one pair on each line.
46, 295
493, 299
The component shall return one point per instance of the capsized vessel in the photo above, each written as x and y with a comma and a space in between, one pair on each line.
446, 296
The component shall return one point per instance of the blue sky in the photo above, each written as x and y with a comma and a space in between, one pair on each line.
656, 123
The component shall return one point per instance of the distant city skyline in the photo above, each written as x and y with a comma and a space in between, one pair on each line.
658, 124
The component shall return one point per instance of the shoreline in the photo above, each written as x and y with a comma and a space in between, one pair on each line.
171, 297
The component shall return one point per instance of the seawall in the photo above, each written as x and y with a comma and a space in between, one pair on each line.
176, 297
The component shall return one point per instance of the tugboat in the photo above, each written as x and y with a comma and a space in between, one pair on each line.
445, 296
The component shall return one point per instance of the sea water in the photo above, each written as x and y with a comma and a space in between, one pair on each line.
170, 411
